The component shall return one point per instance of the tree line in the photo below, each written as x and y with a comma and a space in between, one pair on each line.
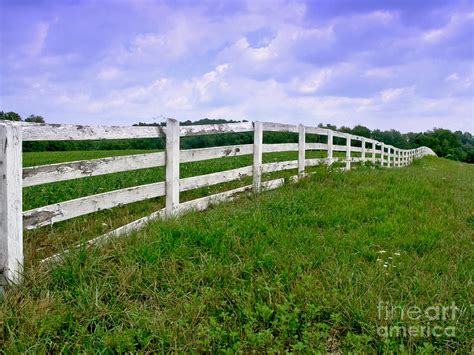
13, 116
445, 143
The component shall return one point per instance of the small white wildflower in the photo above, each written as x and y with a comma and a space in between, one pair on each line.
104, 224
379, 260
382, 252
397, 254
385, 265
390, 257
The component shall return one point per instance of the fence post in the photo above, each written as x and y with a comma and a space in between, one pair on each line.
172, 166
382, 158
362, 154
301, 150
348, 152
373, 154
257, 155
389, 156
11, 220
330, 143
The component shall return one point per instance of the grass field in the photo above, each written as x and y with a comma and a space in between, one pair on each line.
302, 268
46, 241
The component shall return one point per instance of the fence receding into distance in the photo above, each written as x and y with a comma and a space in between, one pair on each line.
13, 220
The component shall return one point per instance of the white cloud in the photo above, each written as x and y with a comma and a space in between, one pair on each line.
380, 73
393, 94
455, 23
109, 73
36, 45
452, 77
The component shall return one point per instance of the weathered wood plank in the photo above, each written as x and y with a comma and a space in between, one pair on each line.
317, 130
44, 174
55, 132
189, 155
198, 130
214, 178
316, 146
62, 211
280, 147
78, 132
11, 231
278, 166
279, 127
339, 148
172, 166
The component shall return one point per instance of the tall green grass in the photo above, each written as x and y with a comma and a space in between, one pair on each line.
301, 269
46, 241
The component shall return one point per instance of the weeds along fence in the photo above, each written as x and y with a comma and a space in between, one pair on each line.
13, 220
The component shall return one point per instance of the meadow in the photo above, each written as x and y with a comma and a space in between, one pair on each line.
43, 242
302, 268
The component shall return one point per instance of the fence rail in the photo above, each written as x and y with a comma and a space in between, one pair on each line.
13, 220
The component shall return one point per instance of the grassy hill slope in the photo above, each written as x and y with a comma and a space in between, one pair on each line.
301, 268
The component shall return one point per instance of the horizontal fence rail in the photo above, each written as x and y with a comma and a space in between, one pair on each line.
44, 174
13, 220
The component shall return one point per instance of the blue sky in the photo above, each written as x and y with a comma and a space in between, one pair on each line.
405, 64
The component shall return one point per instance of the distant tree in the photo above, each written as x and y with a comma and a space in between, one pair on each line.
328, 126
35, 119
362, 131
206, 121
10, 116
189, 122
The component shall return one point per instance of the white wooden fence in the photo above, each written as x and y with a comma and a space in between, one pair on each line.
13, 220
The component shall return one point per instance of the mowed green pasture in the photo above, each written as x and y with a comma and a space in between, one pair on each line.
302, 268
